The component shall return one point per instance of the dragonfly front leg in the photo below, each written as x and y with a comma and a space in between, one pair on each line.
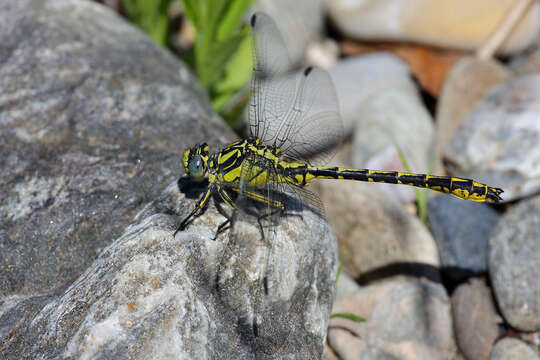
203, 201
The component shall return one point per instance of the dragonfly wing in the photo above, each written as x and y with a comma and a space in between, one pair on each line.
296, 112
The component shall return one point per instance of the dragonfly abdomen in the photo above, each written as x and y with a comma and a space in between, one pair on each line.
465, 189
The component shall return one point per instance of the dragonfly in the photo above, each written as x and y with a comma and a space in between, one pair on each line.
292, 120
294, 126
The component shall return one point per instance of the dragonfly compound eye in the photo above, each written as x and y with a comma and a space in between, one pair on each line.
196, 167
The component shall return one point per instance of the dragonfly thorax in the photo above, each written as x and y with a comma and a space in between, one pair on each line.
195, 161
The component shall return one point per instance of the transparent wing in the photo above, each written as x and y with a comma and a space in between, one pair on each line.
298, 113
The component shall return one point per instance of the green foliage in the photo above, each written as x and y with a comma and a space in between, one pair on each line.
222, 52
350, 316
151, 17
421, 194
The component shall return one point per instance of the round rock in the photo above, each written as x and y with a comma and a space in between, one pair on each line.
510, 349
406, 319
514, 260
475, 319
499, 142
461, 230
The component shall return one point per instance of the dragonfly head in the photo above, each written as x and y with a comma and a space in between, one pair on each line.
195, 161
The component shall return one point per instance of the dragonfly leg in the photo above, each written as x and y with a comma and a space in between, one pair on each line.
203, 201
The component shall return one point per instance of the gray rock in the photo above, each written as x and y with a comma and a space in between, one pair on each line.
375, 232
152, 295
475, 319
510, 349
361, 79
461, 230
499, 142
394, 121
93, 119
406, 319
464, 86
513, 265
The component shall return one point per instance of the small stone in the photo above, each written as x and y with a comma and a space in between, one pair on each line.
461, 230
465, 85
459, 24
512, 349
406, 319
513, 265
394, 121
475, 319
499, 142
360, 79
374, 231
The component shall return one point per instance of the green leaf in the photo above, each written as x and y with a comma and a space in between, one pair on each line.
350, 316
232, 18
212, 66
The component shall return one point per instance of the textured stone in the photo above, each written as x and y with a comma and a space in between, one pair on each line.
460, 24
475, 319
152, 295
499, 142
510, 349
461, 230
374, 231
93, 117
513, 265
406, 319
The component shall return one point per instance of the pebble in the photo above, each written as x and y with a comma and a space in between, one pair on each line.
406, 319
499, 142
394, 121
461, 230
514, 260
465, 85
374, 231
475, 319
458, 24
513, 349
360, 79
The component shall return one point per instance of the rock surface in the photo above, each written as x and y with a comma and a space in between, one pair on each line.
361, 79
391, 122
513, 265
499, 142
406, 319
475, 319
510, 349
465, 85
93, 119
459, 24
375, 232
152, 295
461, 230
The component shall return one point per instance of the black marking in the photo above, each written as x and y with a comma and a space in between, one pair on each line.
462, 184
308, 70
441, 182
253, 20
413, 179
384, 177
265, 284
